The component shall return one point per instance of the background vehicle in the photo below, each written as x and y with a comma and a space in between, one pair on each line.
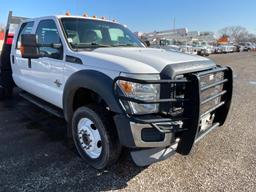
244, 47
113, 91
202, 48
227, 48
167, 45
217, 50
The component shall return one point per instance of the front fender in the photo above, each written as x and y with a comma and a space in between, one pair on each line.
94, 81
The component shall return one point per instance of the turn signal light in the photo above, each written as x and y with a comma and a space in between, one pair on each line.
126, 86
9, 39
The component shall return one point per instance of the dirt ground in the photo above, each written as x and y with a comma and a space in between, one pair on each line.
34, 155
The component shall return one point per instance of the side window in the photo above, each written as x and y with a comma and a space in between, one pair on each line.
26, 28
47, 37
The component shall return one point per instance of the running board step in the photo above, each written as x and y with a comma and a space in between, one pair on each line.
42, 104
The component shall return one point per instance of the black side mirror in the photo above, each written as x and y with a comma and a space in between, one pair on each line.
56, 45
29, 46
147, 43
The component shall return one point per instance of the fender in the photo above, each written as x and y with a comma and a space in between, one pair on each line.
94, 81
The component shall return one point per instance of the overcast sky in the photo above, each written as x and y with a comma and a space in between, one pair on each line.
146, 15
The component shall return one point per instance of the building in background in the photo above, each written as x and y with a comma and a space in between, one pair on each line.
224, 40
178, 35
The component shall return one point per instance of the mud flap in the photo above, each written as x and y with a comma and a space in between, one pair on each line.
146, 157
1, 92
1, 88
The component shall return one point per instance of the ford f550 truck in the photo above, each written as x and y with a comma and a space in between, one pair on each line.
112, 90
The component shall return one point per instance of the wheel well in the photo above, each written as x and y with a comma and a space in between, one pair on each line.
85, 96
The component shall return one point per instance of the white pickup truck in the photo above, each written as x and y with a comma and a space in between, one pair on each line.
112, 90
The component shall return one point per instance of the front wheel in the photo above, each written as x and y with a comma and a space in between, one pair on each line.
95, 136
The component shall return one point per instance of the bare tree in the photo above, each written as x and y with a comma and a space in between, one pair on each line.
251, 38
235, 33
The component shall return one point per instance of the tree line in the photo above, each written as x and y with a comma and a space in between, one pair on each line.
238, 34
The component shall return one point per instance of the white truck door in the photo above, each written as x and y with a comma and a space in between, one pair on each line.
20, 65
47, 71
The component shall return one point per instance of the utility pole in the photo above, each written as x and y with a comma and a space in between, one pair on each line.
174, 24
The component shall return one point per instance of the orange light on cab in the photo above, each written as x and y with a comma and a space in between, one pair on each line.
68, 13
94, 16
85, 15
126, 86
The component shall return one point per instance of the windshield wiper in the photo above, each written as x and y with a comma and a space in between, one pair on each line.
124, 45
88, 45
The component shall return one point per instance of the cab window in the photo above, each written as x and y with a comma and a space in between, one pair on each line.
49, 40
26, 28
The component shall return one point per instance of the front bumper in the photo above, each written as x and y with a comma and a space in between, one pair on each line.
163, 130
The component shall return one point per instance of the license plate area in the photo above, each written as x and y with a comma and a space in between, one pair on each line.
206, 122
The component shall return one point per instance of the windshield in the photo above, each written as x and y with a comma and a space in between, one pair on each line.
86, 33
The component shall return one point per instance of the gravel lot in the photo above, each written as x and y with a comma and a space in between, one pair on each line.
35, 157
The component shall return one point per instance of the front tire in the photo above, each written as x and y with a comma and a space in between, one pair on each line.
95, 136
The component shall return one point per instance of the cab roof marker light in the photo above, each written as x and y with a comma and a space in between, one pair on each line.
85, 15
94, 16
103, 18
68, 13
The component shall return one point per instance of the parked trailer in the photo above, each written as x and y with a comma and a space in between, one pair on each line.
6, 81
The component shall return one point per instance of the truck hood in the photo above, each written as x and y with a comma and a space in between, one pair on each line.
147, 60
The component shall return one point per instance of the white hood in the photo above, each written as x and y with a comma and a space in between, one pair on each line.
138, 60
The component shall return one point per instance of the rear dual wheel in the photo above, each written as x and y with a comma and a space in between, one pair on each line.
95, 136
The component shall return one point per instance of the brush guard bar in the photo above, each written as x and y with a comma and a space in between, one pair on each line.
189, 130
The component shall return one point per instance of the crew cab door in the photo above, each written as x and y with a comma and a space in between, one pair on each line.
47, 71
20, 67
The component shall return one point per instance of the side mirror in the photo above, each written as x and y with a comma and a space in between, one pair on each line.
56, 45
29, 46
147, 43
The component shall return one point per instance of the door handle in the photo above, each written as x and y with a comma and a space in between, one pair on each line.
13, 59
29, 63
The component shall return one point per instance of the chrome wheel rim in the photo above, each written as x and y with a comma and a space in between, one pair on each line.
89, 138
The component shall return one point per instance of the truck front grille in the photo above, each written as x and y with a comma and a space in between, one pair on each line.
186, 101
211, 86
186, 98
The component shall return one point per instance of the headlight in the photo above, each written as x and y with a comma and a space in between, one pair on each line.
145, 92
